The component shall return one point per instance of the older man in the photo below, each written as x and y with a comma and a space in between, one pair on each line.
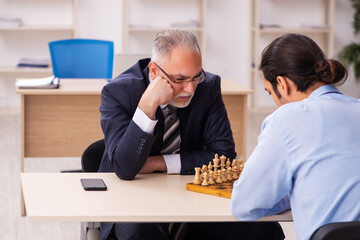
165, 114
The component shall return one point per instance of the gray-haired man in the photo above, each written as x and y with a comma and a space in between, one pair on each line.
166, 114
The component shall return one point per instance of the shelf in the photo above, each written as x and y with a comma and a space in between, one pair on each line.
22, 70
292, 30
263, 31
161, 28
38, 28
196, 25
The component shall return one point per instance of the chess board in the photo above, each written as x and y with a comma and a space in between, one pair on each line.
220, 190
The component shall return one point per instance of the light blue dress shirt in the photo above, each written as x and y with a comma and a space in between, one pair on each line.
308, 156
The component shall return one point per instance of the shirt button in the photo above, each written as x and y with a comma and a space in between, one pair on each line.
142, 140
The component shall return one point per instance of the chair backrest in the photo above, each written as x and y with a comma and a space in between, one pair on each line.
123, 61
91, 157
338, 230
82, 58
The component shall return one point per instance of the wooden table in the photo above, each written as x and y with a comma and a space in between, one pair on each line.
148, 198
63, 122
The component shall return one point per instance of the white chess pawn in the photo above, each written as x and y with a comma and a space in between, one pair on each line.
215, 173
203, 170
234, 170
197, 176
229, 174
219, 178
223, 175
241, 169
211, 178
205, 182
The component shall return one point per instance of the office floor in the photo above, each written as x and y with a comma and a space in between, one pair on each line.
12, 225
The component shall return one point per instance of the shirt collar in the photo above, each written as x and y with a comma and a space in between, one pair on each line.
324, 90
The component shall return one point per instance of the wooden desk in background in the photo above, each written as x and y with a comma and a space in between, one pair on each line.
63, 122
148, 198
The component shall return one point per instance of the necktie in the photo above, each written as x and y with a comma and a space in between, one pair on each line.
171, 139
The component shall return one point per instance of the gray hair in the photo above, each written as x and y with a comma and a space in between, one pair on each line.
166, 41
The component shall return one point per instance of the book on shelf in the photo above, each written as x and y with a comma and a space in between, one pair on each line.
185, 24
38, 83
10, 22
269, 25
315, 26
33, 62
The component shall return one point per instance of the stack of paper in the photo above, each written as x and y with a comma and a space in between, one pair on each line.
42, 83
32, 62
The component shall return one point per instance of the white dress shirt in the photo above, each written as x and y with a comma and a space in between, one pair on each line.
307, 156
172, 161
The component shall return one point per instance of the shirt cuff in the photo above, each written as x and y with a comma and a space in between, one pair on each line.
144, 122
173, 163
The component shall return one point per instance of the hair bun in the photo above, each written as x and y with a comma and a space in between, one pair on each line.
330, 71
323, 70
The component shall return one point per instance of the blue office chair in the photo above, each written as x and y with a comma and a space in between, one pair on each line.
82, 58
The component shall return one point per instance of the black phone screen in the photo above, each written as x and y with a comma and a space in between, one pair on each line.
93, 184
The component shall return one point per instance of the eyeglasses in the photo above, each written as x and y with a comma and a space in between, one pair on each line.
197, 79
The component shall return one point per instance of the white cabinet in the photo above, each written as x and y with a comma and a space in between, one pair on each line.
41, 21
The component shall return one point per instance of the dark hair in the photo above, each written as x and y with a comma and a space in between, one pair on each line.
300, 59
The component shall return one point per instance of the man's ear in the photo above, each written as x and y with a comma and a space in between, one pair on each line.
283, 86
153, 70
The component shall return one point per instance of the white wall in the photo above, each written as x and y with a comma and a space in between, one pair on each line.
227, 24
344, 35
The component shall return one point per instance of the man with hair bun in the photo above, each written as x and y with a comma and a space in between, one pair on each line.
308, 152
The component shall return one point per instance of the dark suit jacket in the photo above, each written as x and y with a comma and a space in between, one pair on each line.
204, 126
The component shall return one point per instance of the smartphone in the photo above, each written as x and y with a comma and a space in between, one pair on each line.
93, 184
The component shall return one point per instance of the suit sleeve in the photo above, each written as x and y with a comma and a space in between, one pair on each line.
127, 146
217, 134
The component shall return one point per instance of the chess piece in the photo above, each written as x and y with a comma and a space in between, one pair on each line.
216, 160
223, 175
215, 173
205, 182
234, 163
203, 170
219, 179
197, 176
211, 178
239, 162
228, 163
209, 167
229, 174
235, 170
222, 164
240, 169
